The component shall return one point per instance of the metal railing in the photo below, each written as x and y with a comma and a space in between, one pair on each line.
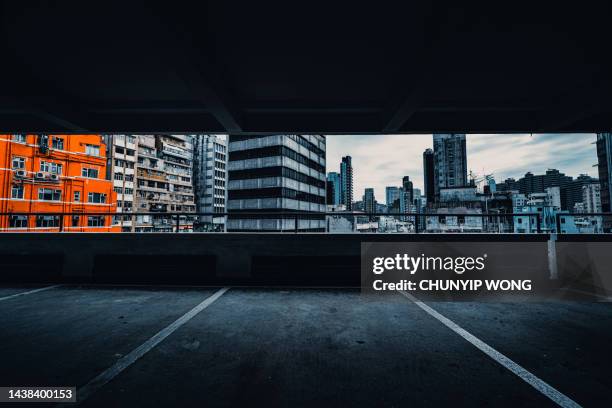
418, 221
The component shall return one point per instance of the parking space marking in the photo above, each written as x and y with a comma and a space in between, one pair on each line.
546, 389
28, 292
106, 376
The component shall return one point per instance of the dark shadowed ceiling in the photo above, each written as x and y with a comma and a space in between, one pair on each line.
244, 67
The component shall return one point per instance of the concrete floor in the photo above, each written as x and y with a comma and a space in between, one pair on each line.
301, 347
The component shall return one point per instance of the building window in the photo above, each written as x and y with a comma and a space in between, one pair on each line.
92, 150
89, 173
95, 221
77, 196
118, 176
18, 221
57, 143
118, 190
49, 167
18, 138
18, 163
47, 194
17, 192
47, 221
75, 220
96, 198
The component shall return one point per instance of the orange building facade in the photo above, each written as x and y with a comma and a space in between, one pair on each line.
54, 174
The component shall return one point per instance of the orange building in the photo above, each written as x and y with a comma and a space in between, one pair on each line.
55, 174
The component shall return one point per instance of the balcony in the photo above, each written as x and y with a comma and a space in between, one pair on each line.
151, 174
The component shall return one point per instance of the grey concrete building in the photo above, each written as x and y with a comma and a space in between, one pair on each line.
276, 173
210, 179
450, 161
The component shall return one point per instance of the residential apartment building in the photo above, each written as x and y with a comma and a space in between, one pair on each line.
531, 183
210, 162
450, 161
276, 173
53, 174
164, 184
591, 198
122, 153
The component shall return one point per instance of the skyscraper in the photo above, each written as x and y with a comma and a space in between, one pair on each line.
369, 201
334, 188
272, 173
392, 193
450, 161
428, 175
408, 193
604, 158
346, 179
210, 161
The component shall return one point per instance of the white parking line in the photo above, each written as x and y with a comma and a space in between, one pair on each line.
98, 382
555, 395
28, 292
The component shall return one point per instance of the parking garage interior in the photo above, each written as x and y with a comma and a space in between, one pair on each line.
243, 319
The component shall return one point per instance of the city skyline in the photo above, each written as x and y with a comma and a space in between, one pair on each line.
382, 160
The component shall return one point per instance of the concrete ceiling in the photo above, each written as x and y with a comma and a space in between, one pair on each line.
242, 67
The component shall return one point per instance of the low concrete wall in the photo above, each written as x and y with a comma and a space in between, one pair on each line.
283, 259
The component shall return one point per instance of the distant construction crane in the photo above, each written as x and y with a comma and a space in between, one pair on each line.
477, 180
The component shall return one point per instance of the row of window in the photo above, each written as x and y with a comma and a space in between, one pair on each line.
126, 177
296, 138
273, 151
127, 190
122, 150
124, 163
275, 192
53, 221
276, 171
57, 143
124, 204
54, 168
49, 194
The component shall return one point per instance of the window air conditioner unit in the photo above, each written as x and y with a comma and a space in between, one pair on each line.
40, 175
20, 173
54, 177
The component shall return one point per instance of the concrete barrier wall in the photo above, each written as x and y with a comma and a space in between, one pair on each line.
284, 259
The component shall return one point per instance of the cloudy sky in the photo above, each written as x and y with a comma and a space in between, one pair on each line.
380, 161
